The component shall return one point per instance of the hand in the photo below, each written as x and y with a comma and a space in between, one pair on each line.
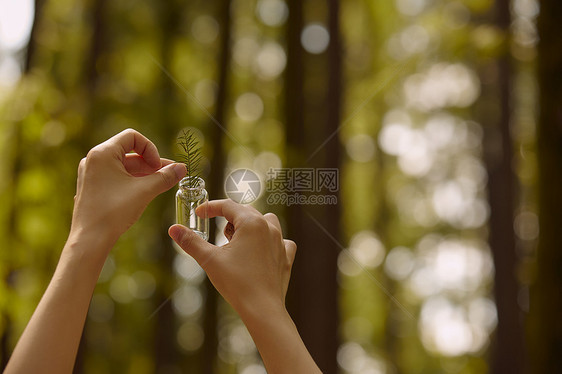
115, 187
254, 267
252, 273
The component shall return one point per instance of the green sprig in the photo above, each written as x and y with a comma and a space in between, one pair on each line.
190, 155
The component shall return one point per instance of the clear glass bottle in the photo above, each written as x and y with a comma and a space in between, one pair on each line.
190, 195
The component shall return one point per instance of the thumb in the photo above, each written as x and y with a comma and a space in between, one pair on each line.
191, 243
165, 178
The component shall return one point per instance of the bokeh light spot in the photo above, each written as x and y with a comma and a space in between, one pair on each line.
187, 300
443, 85
205, 92
205, 29
16, 19
272, 12
270, 61
249, 107
142, 284
410, 7
315, 38
10, 71
119, 289
367, 249
190, 336
360, 148
399, 263
526, 226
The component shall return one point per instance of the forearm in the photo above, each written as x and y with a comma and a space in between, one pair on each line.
50, 341
278, 341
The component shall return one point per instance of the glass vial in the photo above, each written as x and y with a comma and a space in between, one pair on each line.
190, 195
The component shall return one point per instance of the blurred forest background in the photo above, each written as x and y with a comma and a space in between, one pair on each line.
444, 118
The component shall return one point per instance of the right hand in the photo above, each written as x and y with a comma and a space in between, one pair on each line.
254, 267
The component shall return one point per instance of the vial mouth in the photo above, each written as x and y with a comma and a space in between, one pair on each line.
192, 183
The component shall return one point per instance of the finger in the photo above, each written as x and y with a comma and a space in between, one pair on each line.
136, 165
163, 179
132, 140
191, 243
291, 249
272, 218
227, 208
166, 161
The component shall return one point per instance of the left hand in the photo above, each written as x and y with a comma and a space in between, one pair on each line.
114, 186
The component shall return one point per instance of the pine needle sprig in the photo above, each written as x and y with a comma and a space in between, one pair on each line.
190, 155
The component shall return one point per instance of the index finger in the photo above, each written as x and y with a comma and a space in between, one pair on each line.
136, 165
132, 140
227, 208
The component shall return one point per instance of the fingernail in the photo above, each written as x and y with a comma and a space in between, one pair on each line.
180, 170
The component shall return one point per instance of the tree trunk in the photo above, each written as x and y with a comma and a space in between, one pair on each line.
332, 213
97, 43
165, 352
31, 46
216, 134
315, 228
546, 292
507, 348
90, 76
294, 127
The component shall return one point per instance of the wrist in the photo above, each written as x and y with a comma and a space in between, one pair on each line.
261, 311
277, 339
90, 247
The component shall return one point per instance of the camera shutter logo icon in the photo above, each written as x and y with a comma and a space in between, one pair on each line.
243, 186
